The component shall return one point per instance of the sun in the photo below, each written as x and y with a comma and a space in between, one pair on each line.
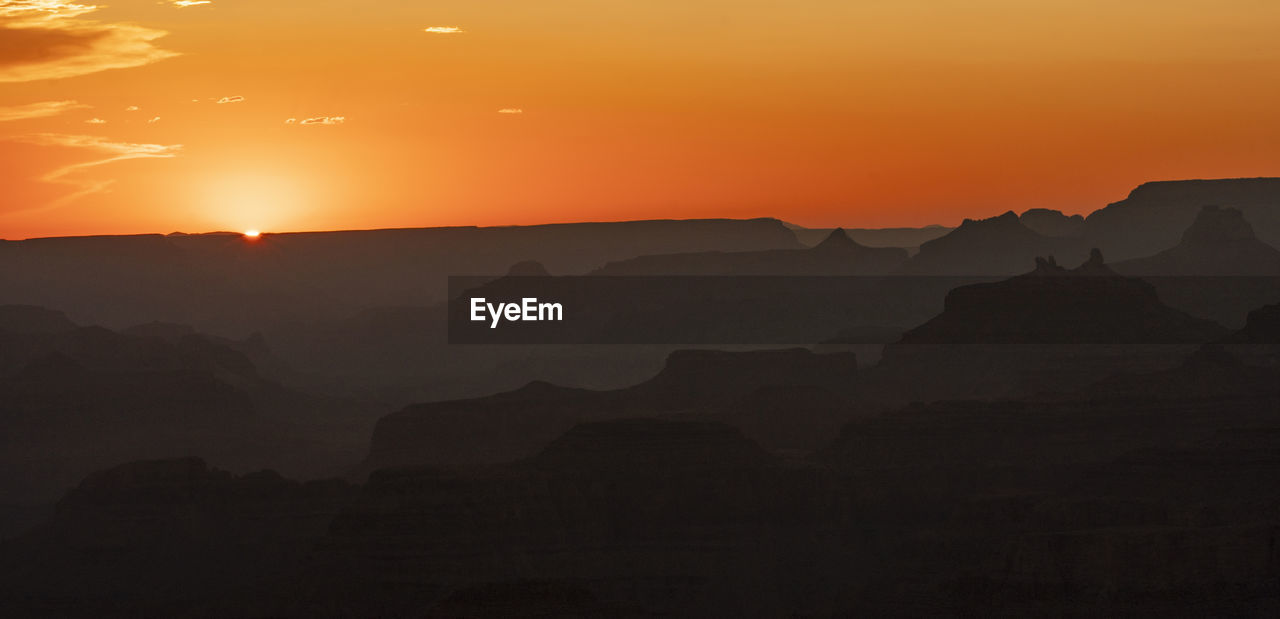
254, 202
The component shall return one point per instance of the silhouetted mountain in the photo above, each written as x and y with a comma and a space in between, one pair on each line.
996, 246
1050, 329
1155, 215
1052, 223
1219, 242
836, 255
1218, 271
513, 425
1149, 492
73, 399
527, 268
225, 284
1116, 456
1090, 304
907, 238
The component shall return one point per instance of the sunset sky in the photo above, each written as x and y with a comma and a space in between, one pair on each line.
158, 116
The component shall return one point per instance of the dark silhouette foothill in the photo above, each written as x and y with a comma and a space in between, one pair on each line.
204, 426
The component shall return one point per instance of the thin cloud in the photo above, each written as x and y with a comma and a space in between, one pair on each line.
319, 120
111, 151
510, 110
132, 108
444, 30
235, 99
153, 120
187, 3
43, 109
95, 121
47, 39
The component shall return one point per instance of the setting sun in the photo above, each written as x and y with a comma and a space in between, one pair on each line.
199, 115
252, 234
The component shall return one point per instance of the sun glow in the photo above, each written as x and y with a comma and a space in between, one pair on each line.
252, 201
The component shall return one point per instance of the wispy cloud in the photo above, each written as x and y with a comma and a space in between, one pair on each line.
48, 39
153, 120
111, 152
132, 108
95, 121
187, 3
319, 120
444, 30
43, 109
235, 99
510, 110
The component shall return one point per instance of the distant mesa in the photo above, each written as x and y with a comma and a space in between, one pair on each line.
908, 238
837, 254
836, 241
1220, 241
528, 268
1154, 215
1215, 225
1000, 245
1052, 329
1090, 304
516, 424
1052, 223
219, 283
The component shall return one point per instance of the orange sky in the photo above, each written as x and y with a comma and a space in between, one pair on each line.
821, 112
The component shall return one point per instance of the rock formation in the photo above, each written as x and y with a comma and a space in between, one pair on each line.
1053, 328
513, 425
996, 246
1154, 215
837, 254
1052, 223
1220, 242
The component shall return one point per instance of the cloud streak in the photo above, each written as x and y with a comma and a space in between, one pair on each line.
319, 120
49, 39
43, 109
111, 152
235, 99
510, 110
444, 30
187, 3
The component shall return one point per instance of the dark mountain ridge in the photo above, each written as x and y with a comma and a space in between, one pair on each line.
1219, 242
227, 284
1154, 215
512, 425
999, 245
837, 254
